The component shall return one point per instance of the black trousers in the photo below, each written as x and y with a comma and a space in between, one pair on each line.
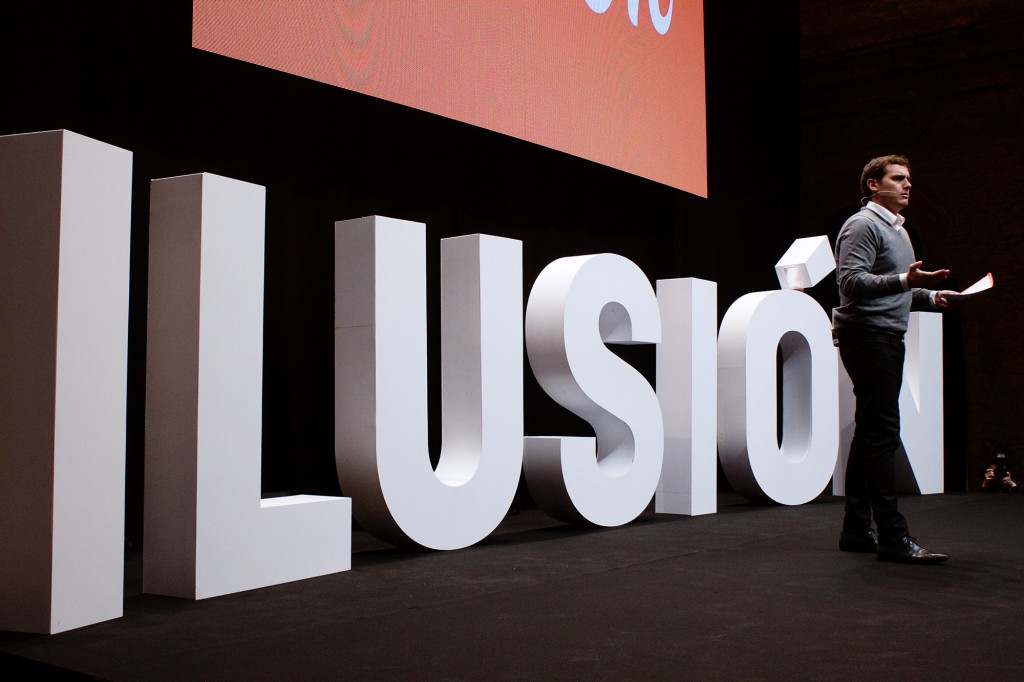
874, 361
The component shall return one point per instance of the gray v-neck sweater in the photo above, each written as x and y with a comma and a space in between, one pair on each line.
871, 255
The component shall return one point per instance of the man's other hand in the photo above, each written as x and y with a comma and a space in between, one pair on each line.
918, 278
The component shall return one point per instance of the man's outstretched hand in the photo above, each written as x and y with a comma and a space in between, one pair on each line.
918, 278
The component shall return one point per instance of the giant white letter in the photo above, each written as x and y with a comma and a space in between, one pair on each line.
207, 530
919, 461
753, 330
381, 382
65, 214
577, 305
687, 390
919, 464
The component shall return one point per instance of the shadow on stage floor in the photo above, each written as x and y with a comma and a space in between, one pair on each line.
752, 592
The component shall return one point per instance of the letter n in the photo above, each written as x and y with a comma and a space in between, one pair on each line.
919, 461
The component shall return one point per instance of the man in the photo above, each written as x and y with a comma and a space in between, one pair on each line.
879, 281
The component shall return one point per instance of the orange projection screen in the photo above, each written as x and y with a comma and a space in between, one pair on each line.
619, 82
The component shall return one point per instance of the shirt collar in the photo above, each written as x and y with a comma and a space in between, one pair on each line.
895, 220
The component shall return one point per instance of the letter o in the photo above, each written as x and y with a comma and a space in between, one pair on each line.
755, 327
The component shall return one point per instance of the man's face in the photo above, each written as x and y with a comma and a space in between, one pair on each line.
893, 190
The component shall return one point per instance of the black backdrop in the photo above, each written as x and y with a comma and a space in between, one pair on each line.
125, 73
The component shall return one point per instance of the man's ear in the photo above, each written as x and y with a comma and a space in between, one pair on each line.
872, 184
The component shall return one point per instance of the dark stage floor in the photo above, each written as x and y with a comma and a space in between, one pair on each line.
749, 593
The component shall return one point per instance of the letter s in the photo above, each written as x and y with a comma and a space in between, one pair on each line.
577, 306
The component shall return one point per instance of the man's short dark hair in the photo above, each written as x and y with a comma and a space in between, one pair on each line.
875, 170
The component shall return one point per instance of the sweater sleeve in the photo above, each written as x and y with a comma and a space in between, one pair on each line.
856, 252
922, 299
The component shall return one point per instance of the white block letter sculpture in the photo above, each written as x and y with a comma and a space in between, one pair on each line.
847, 424
919, 461
687, 390
65, 214
577, 305
754, 328
805, 263
208, 532
381, 382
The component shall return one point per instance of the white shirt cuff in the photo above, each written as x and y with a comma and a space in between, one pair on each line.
903, 282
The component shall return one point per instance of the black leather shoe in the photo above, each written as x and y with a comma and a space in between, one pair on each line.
855, 542
908, 551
